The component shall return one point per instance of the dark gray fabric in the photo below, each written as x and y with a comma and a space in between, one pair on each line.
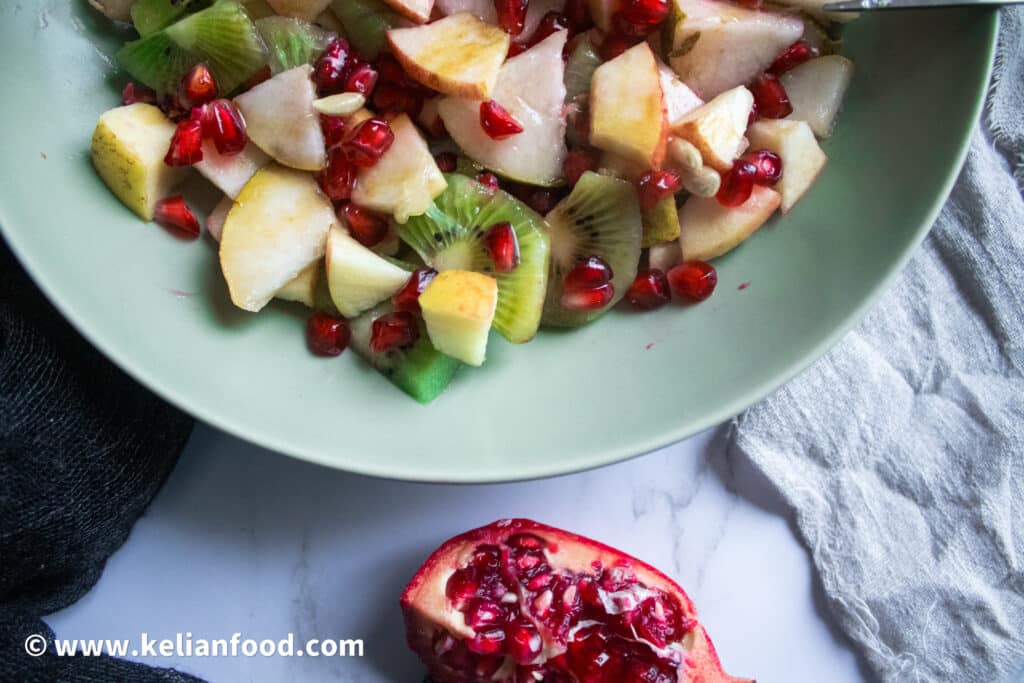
83, 450
902, 451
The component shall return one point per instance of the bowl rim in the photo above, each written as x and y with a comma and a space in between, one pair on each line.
670, 434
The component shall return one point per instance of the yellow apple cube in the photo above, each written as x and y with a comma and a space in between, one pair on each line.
458, 308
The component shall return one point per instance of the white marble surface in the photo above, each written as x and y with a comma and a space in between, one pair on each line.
242, 539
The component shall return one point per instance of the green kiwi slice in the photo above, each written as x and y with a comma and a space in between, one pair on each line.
579, 69
291, 42
449, 236
366, 24
156, 61
150, 16
601, 217
421, 371
226, 39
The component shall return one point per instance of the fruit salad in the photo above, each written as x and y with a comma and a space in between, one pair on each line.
421, 172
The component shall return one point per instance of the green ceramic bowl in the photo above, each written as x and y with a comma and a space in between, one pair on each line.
625, 385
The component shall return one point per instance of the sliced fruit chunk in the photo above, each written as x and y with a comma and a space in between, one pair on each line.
281, 120
128, 149
458, 55
720, 45
680, 100
357, 278
661, 223
531, 87
277, 227
458, 309
579, 69
226, 39
716, 128
292, 42
405, 181
306, 10
816, 90
627, 108
710, 229
215, 221
802, 157
417, 11
665, 256
149, 16
450, 236
483, 10
421, 371
302, 288
230, 173
156, 61
601, 218
366, 24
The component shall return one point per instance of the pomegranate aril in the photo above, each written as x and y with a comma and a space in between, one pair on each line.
512, 15
550, 23
261, 76
392, 331
326, 335
523, 642
488, 180
362, 79
487, 642
173, 214
338, 177
497, 122
446, 161
134, 93
366, 227
223, 123
614, 45
770, 97
502, 245
654, 186
482, 613
649, 290
331, 70
768, 164
368, 142
577, 13
737, 184
694, 280
186, 144
333, 128
198, 87
795, 55
588, 299
639, 18
588, 273
394, 99
576, 163
540, 199
408, 297
461, 586
516, 49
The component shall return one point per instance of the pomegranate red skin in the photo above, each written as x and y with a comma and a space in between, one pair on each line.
426, 608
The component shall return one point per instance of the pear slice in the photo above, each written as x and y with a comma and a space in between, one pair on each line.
277, 227
281, 120
306, 10
459, 55
302, 288
716, 129
230, 173
483, 10
357, 278
458, 308
802, 157
680, 100
710, 229
215, 221
405, 180
816, 90
128, 150
532, 88
627, 108
720, 45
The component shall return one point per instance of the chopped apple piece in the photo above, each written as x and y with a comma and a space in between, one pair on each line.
483, 10
716, 128
458, 309
405, 181
816, 90
281, 120
302, 288
680, 100
720, 45
531, 87
128, 150
459, 55
306, 10
802, 158
277, 227
215, 221
230, 173
414, 10
710, 229
357, 278
627, 108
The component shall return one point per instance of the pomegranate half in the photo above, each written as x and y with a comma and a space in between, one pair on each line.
521, 602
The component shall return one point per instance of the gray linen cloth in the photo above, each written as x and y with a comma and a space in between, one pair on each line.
901, 452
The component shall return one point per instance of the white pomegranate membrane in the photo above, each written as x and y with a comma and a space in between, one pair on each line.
533, 622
